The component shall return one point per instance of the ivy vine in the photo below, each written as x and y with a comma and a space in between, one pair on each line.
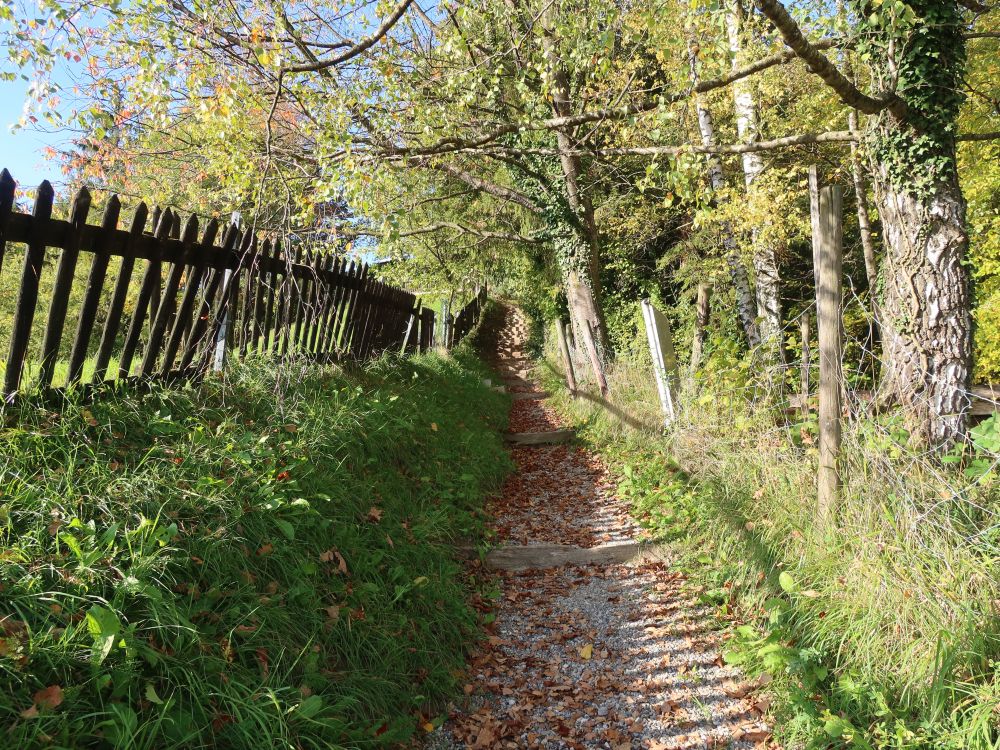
924, 39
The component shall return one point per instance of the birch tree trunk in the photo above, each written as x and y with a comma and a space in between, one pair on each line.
765, 263
746, 305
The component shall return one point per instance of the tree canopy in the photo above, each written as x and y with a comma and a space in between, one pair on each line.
578, 151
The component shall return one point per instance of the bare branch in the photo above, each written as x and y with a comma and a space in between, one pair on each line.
357, 48
836, 136
491, 188
972, 137
460, 228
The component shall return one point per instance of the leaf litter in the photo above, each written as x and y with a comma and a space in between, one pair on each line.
616, 657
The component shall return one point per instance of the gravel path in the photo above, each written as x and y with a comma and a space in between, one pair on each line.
618, 657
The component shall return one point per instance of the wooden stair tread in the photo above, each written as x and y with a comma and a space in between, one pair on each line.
540, 438
557, 555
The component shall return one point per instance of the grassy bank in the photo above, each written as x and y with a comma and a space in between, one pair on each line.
268, 562
881, 632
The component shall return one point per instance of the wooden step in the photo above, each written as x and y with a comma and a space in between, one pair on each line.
540, 438
557, 555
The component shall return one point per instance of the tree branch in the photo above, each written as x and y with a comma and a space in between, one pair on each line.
491, 188
821, 66
460, 228
358, 48
972, 137
835, 136
447, 145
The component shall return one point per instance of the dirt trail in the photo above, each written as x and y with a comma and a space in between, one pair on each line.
595, 656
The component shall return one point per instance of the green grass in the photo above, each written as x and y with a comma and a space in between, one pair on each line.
882, 632
265, 561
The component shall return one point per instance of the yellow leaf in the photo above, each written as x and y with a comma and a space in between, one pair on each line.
434, 426
587, 651
428, 727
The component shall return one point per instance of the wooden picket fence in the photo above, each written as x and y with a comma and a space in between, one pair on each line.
467, 317
180, 303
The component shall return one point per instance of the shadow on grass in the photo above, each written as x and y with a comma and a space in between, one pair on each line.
616, 412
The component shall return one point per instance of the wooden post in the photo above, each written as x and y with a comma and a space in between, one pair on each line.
702, 310
411, 327
661, 347
567, 361
804, 367
445, 324
828, 251
595, 359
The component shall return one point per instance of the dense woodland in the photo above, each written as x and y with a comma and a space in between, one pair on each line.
580, 155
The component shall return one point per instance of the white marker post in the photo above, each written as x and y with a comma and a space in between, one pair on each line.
661, 347
222, 334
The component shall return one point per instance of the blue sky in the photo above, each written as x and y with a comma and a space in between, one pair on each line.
21, 152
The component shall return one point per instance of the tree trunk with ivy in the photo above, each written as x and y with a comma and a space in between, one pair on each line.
579, 252
925, 312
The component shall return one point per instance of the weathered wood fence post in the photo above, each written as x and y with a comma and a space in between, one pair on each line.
828, 251
567, 360
661, 347
595, 359
702, 311
445, 325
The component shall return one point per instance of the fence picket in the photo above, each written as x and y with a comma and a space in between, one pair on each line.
330, 315
215, 279
168, 299
223, 326
61, 289
7, 189
150, 281
270, 330
117, 305
183, 319
95, 285
27, 299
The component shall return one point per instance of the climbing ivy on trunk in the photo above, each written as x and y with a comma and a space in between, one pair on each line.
926, 306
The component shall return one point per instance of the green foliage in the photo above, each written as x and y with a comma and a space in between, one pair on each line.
270, 558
